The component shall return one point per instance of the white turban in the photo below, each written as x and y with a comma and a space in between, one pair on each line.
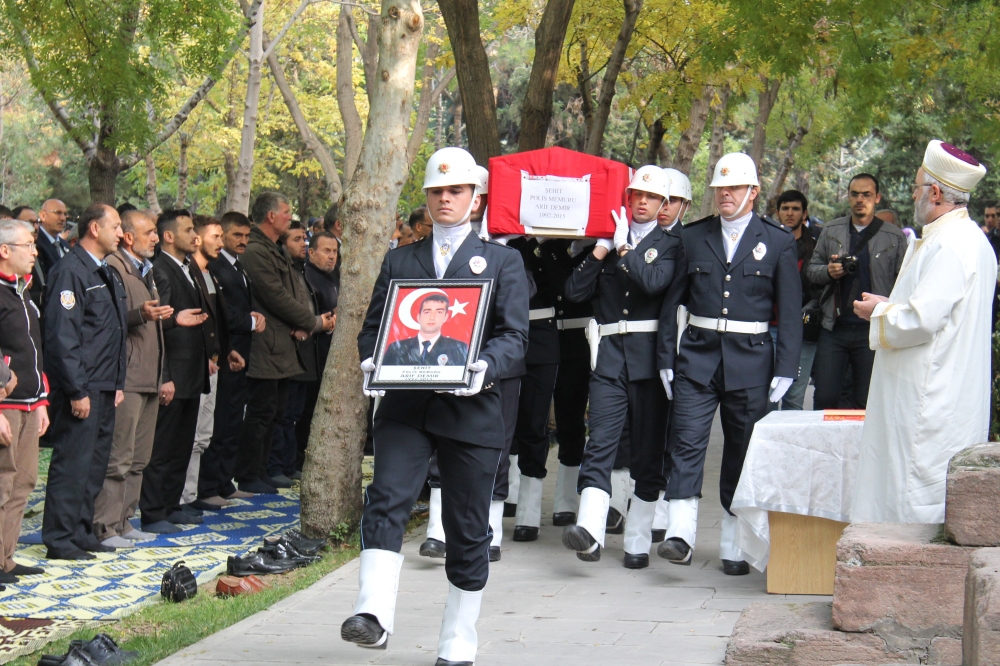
951, 166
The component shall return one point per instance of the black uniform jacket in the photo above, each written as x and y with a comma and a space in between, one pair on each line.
543, 335
85, 329
628, 288
753, 287
445, 351
238, 303
477, 418
186, 348
559, 263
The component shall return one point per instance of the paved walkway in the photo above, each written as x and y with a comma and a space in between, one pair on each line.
541, 606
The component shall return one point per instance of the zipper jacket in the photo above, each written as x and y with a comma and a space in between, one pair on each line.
21, 344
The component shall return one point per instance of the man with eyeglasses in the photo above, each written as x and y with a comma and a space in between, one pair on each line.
855, 254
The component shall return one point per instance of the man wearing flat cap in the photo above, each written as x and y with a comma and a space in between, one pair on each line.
930, 390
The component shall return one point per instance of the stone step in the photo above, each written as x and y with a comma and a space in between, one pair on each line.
972, 502
981, 638
903, 582
780, 634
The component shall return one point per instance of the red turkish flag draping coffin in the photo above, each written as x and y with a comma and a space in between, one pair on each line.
555, 192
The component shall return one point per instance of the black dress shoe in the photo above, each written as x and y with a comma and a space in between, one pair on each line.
509, 510
563, 518
75, 657
184, 518
24, 570
69, 555
636, 561
99, 548
576, 538
364, 631
276, 482
256, 563
676, 551
494, 553
525, 533
432, 548
281, 550
445, 662
659, 535
615, 523
8, 577
304, 545
258, 487
731, 568
105, 651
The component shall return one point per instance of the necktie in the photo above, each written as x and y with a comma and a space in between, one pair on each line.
426, 352
239, 269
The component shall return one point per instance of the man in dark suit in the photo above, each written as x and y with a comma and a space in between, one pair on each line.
428, 347
51, 246
736, 272
626, 279
460, 425
185, 376
215, 478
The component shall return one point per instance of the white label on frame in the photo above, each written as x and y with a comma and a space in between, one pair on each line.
555, 202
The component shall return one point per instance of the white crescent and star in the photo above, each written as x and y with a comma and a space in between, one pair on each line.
406, 306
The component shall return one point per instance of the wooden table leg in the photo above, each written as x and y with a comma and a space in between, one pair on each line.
803, 554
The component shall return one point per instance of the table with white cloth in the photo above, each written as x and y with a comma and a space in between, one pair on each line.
797, 464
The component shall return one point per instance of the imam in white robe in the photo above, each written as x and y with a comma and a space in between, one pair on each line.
930, 387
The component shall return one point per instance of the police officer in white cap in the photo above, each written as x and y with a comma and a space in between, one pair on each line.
627, 279
736, 271
460, 425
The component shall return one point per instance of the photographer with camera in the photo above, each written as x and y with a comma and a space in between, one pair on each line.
854, 255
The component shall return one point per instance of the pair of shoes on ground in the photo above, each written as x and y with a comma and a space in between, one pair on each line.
234, 586
278, 555
102, 650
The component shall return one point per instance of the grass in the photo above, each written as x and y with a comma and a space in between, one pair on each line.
160, 629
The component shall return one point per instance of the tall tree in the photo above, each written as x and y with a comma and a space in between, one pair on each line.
536, 110
332, 475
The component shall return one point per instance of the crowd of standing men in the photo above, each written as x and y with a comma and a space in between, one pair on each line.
171, 361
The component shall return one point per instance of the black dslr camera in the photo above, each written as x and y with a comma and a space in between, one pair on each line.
850, 264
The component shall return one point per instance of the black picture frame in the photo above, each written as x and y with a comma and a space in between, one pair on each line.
439, 372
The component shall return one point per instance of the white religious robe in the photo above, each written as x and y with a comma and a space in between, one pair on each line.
930, 388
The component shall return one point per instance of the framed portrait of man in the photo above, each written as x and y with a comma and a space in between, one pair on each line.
431, 332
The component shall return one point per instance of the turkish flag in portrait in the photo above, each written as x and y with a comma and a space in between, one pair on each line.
463, 304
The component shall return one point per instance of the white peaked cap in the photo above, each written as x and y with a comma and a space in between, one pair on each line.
452, 166
651, 178
484, 177
951, 166
680, 185
734, 169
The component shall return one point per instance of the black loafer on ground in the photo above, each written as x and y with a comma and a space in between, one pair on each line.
432, 548
75, 657
577, 538
731, 568
306, 546
257, 563
616, 522
494, 553
659, 535
364, 631
280, 550
676, 551
445, 662
525, 533
636, 561
105, 651
509, 510
563, 518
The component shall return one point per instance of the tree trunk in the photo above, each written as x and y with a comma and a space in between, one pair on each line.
239, 197
331, 483
787, 160
430, 94
182, 171
690, 139
152, 200
461, 17
716, 148
353, 129
313, 143
439, 124
656, 132
456, 130
536, 110
765, 102
102, 171
587, 97
595, 138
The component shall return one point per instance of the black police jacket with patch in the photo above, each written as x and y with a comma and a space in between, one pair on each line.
476, 419
85, 326
752, 287
629, 288
543, 335
559, 263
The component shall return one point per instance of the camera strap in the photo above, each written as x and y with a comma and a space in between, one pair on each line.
866, 235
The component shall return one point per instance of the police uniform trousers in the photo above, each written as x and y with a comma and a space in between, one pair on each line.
531, 436
164, 477
81, 449
688, 440
215, 478
402, 456
643, 404
569, 402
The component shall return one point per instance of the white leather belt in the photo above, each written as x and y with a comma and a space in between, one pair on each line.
567, 324
728, 325
597, 331
541, 313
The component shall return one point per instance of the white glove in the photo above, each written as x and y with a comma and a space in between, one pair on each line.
779, 386
479, 373
667, 376
621, 227
503, 239
368, 367
605, 243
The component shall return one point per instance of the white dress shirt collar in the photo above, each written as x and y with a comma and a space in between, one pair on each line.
446, 241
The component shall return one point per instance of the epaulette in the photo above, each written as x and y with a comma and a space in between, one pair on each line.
775, 223
704, 219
